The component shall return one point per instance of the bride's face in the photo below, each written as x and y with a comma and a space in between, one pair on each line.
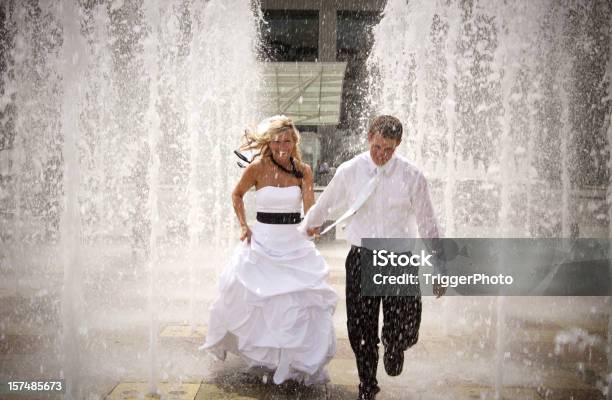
282, 145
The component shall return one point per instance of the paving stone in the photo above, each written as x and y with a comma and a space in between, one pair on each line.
343, 372
342, 392
594, 324
242, 385
183, 331
573, 394
341, 332
533, 335
558, 379
439, 344
20, 344
339, 289
8, 292
344, 350
169, 391
213, 392
469, 392
519, 323
33, 397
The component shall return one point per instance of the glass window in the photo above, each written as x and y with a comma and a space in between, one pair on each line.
290, 35
354, 33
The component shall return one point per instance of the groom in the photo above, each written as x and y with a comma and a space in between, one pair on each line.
398, 198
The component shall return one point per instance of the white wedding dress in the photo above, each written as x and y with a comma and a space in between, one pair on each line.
274, 308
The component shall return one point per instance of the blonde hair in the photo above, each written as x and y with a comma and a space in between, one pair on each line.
259, 138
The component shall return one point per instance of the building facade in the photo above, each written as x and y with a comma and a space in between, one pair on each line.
336, 36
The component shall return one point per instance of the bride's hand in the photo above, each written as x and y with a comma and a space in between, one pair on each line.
245, 233
314, 231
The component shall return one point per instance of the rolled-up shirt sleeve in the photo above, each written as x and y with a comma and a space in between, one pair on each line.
424, 211
332, 199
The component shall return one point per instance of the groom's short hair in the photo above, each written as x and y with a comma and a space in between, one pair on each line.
388, 126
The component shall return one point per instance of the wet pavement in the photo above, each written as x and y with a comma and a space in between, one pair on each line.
553, 347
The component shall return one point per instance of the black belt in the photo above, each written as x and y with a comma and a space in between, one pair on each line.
279, 218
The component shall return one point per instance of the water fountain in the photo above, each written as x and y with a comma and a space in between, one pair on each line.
447, 79
71, 66
154, 15
491, 94
122, 116
609, 137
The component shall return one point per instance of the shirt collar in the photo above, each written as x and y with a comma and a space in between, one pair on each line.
385, 169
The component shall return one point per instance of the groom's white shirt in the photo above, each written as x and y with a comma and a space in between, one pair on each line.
399, 207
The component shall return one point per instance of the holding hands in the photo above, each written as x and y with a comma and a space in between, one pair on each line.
314, 233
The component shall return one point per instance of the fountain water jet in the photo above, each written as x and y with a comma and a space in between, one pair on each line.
608, 80
122, 150
193, 194
498, 82
153, 15
73, 58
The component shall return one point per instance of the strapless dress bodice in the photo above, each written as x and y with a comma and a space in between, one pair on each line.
272, 199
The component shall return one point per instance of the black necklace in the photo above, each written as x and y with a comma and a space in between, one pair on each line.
293, 171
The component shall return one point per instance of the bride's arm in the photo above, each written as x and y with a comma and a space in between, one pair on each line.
247, 181
308, 196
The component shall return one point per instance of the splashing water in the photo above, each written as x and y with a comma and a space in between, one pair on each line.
119, 119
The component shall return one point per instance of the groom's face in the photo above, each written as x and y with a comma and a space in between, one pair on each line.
381, 148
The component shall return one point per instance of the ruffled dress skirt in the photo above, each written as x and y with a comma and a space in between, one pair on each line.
274, 307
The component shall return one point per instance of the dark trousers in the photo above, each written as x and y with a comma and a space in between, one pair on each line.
401, 321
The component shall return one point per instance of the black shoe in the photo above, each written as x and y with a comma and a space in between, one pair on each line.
394, 362
367, 393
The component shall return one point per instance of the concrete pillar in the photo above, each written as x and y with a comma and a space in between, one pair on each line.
327, 31
327, 53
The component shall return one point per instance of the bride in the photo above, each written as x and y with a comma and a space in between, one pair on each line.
274, 308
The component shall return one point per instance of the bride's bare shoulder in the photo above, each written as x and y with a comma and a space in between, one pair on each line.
258, 166
259, 163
